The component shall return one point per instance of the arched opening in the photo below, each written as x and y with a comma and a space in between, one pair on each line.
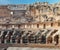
43, 39
49, 39
2, 40
56, 39
25, 40
13, 39
51, 24
37, 25
44, 26
18, 39
8, 40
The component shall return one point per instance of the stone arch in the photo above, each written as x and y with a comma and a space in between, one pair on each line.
43, 39
49, 39
56, 39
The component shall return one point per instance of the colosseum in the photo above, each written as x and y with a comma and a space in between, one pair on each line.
37, 23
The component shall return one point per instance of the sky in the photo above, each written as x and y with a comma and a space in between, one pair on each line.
26, 1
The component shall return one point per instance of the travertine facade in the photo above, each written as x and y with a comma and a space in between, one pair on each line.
35, 23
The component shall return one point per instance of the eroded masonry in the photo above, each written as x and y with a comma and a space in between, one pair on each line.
35, 23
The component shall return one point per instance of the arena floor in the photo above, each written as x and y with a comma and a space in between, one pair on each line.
27, 48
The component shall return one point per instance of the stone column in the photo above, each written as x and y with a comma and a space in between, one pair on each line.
10, 40
46, 41
0, 40
32, 26
21, 41
5, 41
59, 38
53, 42
16, 41
25, 26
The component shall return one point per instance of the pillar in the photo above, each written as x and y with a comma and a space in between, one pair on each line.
13, 26
16, 41
5, 41
32, 26
25, 26
21, 41
59, 38
46, 41
0, 41
54, 42
11, 40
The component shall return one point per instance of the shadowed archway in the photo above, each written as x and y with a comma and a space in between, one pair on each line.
49, 39
56, 39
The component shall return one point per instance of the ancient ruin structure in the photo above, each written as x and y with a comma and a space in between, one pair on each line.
34, 23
